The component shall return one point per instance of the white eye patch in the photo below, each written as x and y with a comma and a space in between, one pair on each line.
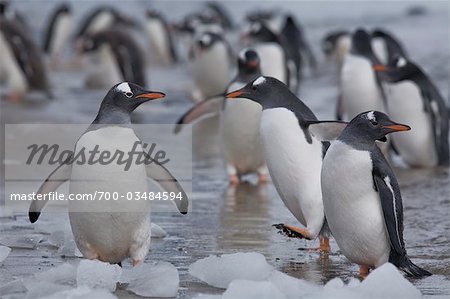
206, 39
371, 116
255, 27
124, 87
401, 62
259, 81
242, 54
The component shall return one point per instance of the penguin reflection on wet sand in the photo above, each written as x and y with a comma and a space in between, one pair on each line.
22, 67
111, 231
291, 138
239, 123
361, 196
115, 56
414, 99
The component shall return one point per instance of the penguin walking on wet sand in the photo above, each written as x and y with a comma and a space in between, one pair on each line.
362, 199
58, 31
413, 98
114, 56
22, 67
112, 230
360, 85
211, 61
160, 36
291, 138
239, 123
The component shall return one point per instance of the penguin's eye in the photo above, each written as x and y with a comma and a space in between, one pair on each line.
254, 87
128, 94
374, 122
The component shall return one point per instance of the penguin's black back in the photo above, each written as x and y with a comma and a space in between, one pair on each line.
63, 8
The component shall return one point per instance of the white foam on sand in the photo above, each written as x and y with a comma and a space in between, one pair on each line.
220, 271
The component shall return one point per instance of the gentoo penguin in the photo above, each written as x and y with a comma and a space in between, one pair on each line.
112, 230
160, 37
239, 123
360, 86
9, 13
219, 12
270, 49
58, 31
335, 45
102, 18
414, 99
386, 46
361, 196
21, 63
115, 57
293, 151
210, 56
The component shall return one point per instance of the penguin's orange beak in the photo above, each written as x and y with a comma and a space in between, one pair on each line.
152, 95
380, 68
398, 127
234, 94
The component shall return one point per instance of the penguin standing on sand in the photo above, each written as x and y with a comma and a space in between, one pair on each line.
414, 99
210, 56
160, 37
360, 86
115, 57
361, 196
291, 138
58, 31
239, 123
112, 230
21, 63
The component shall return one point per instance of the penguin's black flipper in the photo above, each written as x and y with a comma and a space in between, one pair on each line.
157, 172
53, 181
205, 109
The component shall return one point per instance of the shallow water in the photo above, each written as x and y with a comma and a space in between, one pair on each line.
231, 219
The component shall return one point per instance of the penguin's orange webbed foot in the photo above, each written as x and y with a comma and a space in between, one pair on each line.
263, 178
233, 179
324, 245
135, 262
363, 272
293, 231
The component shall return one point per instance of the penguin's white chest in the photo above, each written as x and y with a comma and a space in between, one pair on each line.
273, 60
239, 132
352, 206
359, 89
405, 105
158, 39
104, 68
10, 71
211, 69
111, 230
60, 34
102, 21
294, 165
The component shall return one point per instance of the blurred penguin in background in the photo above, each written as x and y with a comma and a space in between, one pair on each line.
211, 65
58, 32
161, 39
386, 46
219, 12
114, 56
335, 45
8, 12
22, 67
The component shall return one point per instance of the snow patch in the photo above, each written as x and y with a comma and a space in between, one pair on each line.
96, 274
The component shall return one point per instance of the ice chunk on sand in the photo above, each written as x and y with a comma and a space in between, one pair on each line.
57, 238
82, 292
249, 289
39, 289
27, 242
62, 274
152, 280
292, 287
4, 252
387, 282
157, 231
220, 271
69, 249
96, 274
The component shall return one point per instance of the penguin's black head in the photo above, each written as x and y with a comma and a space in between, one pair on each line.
206, 40
261, 90
374, 125
361, 43
128, 96
248, 61
153, 14
64, 8
258, 31
89, 43
328, 44
399, 68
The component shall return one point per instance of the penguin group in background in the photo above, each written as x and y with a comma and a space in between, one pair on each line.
239, 123
160, 37
102, 18
211, 65
111, 231
362, 199
114, 57
335, 45
291, 138
413, 98
360, 85
58, 31
22, 67
219, 12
